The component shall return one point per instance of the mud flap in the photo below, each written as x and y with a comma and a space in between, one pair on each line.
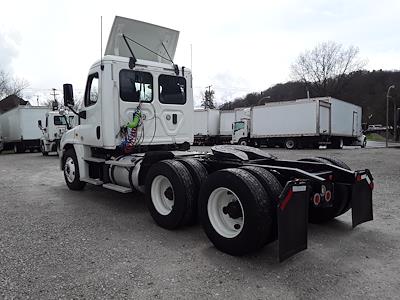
293, 219
361, 198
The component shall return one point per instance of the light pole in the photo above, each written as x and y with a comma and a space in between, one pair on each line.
387, 113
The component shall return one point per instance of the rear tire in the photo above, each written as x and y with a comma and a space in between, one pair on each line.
337, 162
199, 174
170, 194
71, 171
341, 199
273, 188
290, 144
235, 211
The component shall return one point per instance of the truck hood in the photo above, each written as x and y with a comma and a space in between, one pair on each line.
149, 35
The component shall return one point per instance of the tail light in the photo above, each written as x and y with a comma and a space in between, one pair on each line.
328, 196
317, 199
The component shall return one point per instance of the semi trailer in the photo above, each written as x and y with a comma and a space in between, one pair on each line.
19, 127
56, 123
206, 126
212, 126
134, 132
304, 123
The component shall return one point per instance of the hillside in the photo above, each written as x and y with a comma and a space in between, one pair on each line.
365, 88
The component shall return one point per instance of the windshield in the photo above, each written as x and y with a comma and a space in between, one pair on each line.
60, 120
238, 126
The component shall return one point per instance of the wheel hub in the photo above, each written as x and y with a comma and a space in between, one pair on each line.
225, 212
69, 169
162, 195
233, 210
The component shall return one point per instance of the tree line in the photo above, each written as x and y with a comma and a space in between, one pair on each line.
329, 69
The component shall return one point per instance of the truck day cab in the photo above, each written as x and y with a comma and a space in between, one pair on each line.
57, 122
134, 133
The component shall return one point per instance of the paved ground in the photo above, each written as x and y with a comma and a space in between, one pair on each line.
55, 243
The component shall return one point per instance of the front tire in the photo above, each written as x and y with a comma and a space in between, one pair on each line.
71, 171
243, 142
236, 212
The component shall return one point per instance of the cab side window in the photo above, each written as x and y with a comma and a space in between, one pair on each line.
92, 89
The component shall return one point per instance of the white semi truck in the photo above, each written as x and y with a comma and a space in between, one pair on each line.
134, 133
301, 123
56, 123
19, 127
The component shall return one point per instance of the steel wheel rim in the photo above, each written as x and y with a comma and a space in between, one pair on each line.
222, 222
243, 143
69, 169
162, 195
289, 144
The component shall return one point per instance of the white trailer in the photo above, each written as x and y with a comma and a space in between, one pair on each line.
206, 126
226, 120
134, 133
346, 123
300, 123
20, 130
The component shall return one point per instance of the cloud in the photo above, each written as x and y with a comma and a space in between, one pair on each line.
8, 49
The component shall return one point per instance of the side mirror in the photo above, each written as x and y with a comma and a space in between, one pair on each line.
68, 95
39, 123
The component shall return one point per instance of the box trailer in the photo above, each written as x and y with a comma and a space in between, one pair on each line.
346, 125
206, 126
20, 127
226, 120
243, 197
300, 123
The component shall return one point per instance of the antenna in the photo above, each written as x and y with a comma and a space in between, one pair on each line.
101, 43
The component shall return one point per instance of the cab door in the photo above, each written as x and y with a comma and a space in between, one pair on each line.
90, 132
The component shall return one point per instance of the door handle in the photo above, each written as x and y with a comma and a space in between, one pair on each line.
174, 118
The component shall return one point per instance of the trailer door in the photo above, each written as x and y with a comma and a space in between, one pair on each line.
355, 123
324, 118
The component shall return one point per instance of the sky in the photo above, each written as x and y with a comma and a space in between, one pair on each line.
237, 46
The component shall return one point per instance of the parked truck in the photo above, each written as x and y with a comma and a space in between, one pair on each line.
301, 123
134, 133
19, 126
213, 126
206, 126
56, 123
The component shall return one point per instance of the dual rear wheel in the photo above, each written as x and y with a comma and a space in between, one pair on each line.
237, 207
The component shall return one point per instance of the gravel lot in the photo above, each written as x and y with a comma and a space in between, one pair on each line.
56, 243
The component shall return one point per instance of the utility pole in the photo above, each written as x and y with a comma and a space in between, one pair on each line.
387, 113
54, 94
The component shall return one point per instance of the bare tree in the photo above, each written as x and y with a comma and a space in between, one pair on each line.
324, 69
208, 99
10, 85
